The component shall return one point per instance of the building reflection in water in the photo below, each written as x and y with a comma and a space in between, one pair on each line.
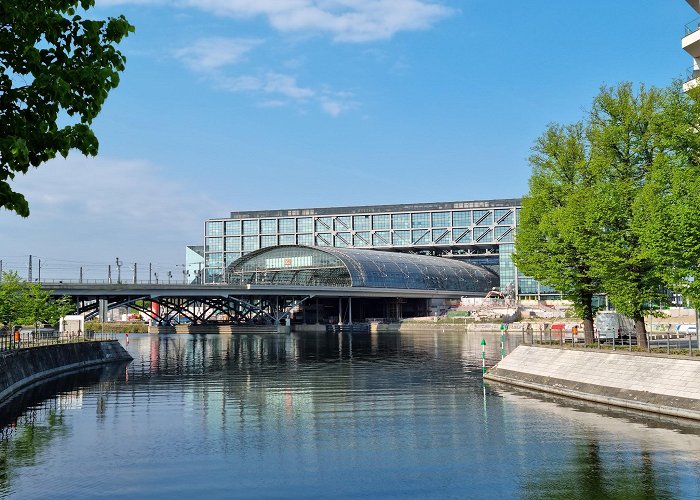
409, 406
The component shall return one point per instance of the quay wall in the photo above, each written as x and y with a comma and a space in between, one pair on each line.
23, 367
655, 383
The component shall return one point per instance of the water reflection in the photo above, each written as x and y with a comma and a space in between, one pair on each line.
617, 453
33, 419
336, 414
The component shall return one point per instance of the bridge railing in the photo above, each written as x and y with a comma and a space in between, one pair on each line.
25, 338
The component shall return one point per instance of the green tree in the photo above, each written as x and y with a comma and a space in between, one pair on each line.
554, 238
28, 303
53, 63
12, 300
667, 212
614, 203
41, 307
628, 136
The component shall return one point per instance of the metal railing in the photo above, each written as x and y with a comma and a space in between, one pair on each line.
26, 338
692, 26
659, 343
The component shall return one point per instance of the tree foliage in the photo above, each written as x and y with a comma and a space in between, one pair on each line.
553, 240
614, 202
667, 210
27, 303
56, 70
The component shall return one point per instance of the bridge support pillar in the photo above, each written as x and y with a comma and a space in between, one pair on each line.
350, 310
277, 311
340, 310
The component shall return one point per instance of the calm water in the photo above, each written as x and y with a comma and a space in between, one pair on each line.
270, 416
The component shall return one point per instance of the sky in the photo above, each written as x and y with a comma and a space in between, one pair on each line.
234, 105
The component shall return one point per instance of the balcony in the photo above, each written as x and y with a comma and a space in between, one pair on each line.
692, 79
691, 40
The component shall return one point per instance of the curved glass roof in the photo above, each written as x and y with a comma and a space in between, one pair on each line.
327, 266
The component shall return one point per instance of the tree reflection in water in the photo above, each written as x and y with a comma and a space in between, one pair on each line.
35, 417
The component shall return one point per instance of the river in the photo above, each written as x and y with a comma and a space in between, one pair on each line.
329, 415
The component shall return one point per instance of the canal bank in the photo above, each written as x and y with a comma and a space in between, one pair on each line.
22, 368
668, 385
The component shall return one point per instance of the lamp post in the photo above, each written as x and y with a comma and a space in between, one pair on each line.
170, 275
156, 275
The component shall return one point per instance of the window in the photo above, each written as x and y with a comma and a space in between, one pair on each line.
483, 218
503, 233
361, 222
250, 226
342, 223
305, 239
233, 243
420, 237
482, 235
215, 260
402, 237
440, 219
233, 227
324, 240
381, 239
400, 221
461, 235
268, 226
250, 243
420, 220
268, 241
441, 236
323, 224
461, 218
342, 240
503, 216
305, 225
381, 222
215, 228
361, 239
214, 245
287, 226
287, 239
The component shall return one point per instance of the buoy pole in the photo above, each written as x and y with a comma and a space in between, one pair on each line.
483, 356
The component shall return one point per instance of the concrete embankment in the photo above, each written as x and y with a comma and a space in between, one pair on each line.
659, 384
23, 367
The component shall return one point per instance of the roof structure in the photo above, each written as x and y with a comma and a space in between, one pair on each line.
326, 266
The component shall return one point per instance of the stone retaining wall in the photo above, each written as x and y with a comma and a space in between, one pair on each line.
660, 384
23, 367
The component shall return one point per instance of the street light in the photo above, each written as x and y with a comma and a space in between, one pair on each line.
170, 275
156, 275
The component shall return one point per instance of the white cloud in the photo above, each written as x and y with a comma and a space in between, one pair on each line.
354, 21
207, 54
95, 208
280, 90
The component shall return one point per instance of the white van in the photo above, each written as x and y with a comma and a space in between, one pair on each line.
611, 325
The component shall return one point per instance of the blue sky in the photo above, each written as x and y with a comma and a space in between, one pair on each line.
257, 104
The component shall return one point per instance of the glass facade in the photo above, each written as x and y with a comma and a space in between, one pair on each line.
469, 228
359, 268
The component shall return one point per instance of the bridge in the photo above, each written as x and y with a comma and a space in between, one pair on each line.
323, 285
245, 304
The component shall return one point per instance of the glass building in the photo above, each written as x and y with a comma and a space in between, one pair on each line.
478, 232
292, 265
